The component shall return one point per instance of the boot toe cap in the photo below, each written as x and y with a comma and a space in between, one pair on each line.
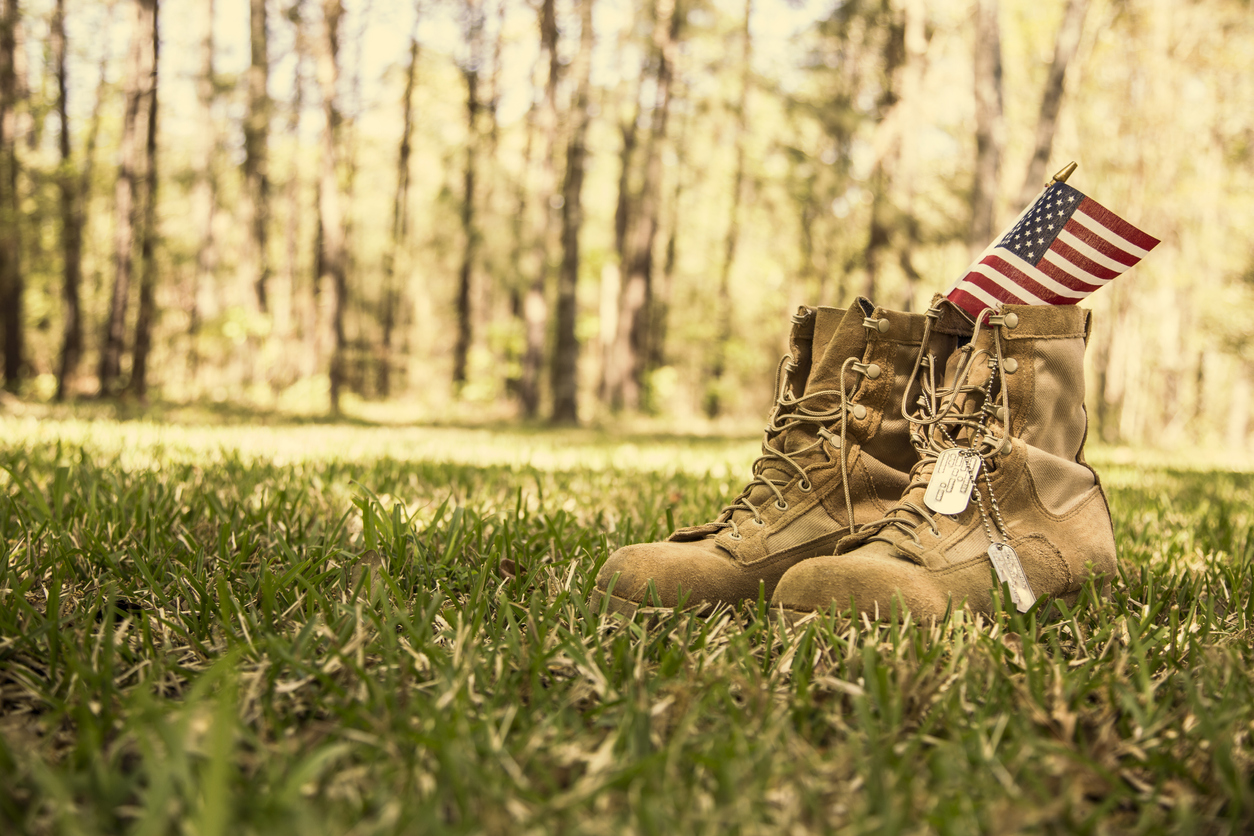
688, 573
871, 579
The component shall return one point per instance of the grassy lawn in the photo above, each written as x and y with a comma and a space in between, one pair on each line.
315, 629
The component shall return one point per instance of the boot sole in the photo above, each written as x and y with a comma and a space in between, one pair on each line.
614, 605
611, 604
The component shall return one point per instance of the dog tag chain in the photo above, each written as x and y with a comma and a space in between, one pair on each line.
953, 479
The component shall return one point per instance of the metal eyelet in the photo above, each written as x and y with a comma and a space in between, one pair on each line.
736, 536
871, 371
759, 521
880, 325
805, 486
781, 506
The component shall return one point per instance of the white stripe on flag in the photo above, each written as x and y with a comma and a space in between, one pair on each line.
1087, 250
1103, 231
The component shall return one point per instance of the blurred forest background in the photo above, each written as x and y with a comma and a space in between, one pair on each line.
573, 209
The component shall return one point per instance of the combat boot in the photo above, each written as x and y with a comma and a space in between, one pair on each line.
836, 453
1001, 492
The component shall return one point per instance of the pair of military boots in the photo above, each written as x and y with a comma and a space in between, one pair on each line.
923, 460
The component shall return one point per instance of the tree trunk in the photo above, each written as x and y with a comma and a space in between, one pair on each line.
535, 307
392, 296
148, 236
11, 283
332, 259
612, 370
257, 155
723, 311
140, 70
885, 215
296, 324
71, 220
204, 197
1051, 99
989, 126
566, 352
474, 41
631, 348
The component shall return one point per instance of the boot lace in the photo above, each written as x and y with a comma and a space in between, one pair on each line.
944, 422
791, 413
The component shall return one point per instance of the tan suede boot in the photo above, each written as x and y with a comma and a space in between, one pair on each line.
837, 453
1001, 492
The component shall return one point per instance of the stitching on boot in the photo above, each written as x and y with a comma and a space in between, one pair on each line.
1054, 555
1076, 510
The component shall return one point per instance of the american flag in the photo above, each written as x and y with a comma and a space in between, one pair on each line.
1064, 247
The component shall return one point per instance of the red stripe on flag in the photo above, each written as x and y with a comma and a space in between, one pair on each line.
1097, 242
1081, 261
1064, 278
966, 301
1000, 292
1025, 281
1118, 225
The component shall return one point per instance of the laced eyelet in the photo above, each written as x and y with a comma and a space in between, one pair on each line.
805, 486
783, 506
871, 371
759, 521
735, 535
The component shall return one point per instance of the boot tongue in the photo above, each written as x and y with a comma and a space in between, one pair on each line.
975, 384
838, 335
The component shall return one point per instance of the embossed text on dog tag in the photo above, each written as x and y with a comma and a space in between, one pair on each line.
1010, 572
953, 477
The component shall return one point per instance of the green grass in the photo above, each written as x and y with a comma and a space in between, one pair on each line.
308, 629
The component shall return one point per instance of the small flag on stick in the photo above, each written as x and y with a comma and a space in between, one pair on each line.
1064, 247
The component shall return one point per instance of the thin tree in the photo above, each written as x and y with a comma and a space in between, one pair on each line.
535, 305
296, 323
1065, 47
257, 153
11, 282
204, 197
611, 362
714, 404
626, 374
391, 300
566, 351
474, 22
140, 75
71, 202
885, 215
148, 236
332, 259
989, 125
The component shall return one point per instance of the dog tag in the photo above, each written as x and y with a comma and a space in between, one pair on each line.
1010, 572
953, 478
